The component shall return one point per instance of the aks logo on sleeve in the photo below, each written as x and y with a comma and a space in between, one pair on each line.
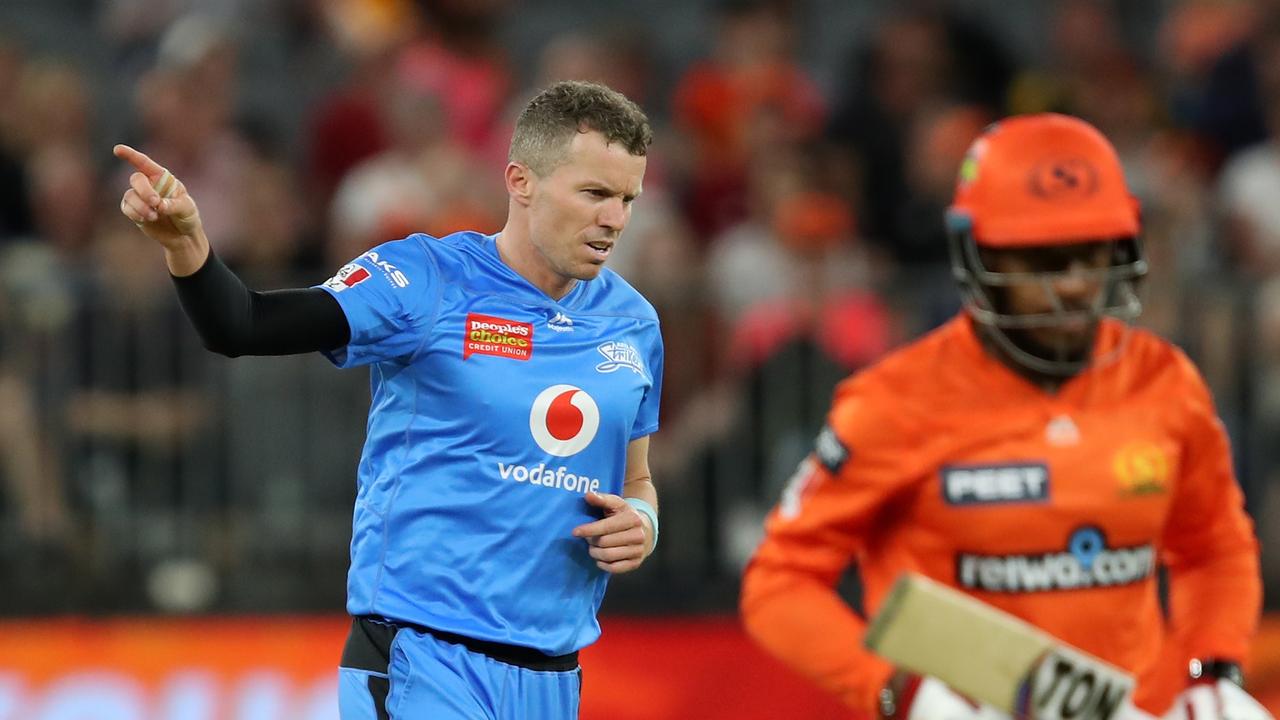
394, 275
500, 337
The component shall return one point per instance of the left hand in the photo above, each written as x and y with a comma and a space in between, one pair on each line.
618, 541
1217, 700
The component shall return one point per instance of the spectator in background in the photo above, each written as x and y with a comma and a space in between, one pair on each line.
186, 104
30, 472
1084, 48
617, 57
1250, 181
425, 181
64, 195
460, 55
134, 411
661, 259
50, 126
1192, 38
1229, 113
347, 126
1249, 235
793, 288
750, 94
916, 62
785, 352
15, 213
283, 247
48, 136
53, 107
937, 139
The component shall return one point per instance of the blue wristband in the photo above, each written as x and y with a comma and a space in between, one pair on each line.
647, 510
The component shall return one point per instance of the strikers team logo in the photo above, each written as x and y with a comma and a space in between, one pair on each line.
564, 420
620, 355
1141, 468
489, 335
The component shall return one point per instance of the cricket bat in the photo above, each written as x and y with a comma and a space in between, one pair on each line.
991, 656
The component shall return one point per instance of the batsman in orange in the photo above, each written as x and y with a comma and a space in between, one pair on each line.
1036, 451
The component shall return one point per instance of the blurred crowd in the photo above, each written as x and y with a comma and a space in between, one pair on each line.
790, 233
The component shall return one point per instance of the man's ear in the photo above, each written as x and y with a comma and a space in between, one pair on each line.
520, 183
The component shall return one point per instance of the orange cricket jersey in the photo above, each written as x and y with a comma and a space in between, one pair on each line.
1058, 508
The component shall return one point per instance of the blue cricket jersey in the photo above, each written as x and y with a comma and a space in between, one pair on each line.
494, 409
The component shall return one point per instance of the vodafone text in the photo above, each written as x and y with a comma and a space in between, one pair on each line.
559, 478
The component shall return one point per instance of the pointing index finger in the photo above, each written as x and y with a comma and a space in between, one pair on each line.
139, 160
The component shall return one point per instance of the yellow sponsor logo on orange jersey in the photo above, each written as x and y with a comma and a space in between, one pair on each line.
1142, 468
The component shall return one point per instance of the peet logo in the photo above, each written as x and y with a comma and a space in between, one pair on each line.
488, 335
987, 484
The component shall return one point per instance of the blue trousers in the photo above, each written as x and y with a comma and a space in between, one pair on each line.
391, 672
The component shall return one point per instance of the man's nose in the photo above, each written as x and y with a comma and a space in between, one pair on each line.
613, 214
1077, 282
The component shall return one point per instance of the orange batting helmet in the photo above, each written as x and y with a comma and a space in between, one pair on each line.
1039, 181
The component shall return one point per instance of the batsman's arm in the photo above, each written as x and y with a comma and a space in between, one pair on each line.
790, 605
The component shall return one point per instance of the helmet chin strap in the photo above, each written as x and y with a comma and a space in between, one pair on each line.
995, 328
1059, 368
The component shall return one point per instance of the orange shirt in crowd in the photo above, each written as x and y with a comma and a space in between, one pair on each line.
1058, 508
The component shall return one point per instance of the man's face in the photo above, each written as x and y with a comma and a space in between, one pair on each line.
578, 210
1077, 279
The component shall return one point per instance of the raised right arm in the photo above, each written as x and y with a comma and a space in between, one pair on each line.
230, 318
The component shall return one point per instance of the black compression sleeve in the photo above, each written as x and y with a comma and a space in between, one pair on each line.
233, 320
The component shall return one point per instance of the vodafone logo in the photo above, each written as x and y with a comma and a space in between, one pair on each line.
564, 420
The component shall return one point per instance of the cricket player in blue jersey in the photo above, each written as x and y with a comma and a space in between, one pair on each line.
515, 384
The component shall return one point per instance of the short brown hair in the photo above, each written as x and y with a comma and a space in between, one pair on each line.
550, 120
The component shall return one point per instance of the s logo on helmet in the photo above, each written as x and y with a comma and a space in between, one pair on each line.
1063, 179
564, 420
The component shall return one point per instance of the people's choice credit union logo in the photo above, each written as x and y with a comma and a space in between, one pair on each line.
564, 420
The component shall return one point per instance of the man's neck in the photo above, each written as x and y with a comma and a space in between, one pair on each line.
517, 252
1047, 382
